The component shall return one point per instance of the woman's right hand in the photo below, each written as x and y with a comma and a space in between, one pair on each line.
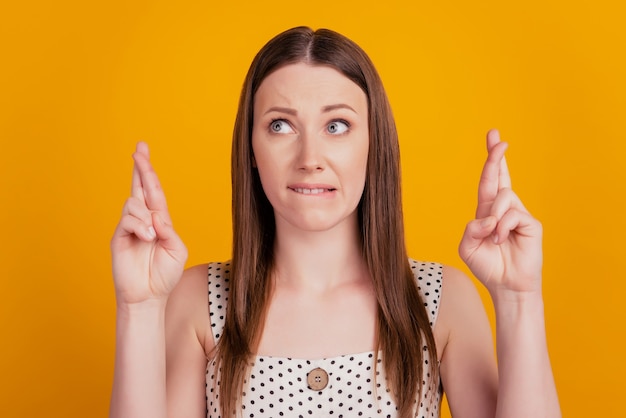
148, 256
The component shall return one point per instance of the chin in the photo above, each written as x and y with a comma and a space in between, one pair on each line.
321, 223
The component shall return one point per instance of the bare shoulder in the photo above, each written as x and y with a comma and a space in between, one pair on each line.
191, 291
459, 292
457, 282
460, 289
187, 342
465, 348
187, 306
461, 309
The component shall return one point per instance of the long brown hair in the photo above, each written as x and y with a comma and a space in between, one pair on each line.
404, 335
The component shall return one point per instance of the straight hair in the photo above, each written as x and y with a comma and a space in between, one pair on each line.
403, 336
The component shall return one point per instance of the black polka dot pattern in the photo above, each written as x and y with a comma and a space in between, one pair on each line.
278, 386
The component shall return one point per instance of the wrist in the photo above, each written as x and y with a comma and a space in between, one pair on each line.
147, 308
518, 289
514, 304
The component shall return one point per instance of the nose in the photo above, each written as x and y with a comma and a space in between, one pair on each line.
310, 154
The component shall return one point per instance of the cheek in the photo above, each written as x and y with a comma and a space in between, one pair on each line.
353, 166
362, 167
359, 161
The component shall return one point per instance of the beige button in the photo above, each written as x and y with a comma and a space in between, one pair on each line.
317, 379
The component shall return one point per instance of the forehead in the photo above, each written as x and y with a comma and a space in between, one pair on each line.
300, 84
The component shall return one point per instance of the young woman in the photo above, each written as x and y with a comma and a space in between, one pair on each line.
320, 312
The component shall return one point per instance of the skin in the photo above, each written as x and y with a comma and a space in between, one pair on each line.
311, 133
301, 141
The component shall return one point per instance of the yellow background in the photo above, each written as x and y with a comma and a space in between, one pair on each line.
81, 82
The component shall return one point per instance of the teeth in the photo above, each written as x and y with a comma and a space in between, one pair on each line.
309, 191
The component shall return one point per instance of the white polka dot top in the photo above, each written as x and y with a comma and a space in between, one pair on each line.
342, 386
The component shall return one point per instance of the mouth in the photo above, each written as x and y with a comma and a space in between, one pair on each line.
312, 190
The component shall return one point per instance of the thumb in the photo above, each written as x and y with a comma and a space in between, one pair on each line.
475, 233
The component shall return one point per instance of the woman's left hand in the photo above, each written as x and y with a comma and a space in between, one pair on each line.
502, 246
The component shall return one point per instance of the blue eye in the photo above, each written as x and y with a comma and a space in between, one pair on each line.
338, 127
280, 126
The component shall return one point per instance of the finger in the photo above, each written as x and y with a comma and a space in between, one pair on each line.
504, 178
130, 225
151, 186
490, 177
519, 222
168, 238
475, 233
505, 200
137, 208
137, 187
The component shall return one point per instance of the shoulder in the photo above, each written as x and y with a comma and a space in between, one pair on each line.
459, 291
187, 343
191, 294
457, 282
187, 306
192, 287
462, 313
446, 278
465, 347
460, 296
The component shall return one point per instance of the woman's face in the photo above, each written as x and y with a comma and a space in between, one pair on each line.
310, 141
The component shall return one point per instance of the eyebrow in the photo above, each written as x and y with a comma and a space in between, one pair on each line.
294, 112
337, 106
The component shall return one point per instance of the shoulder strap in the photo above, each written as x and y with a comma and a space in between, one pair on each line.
429, 278
218, 276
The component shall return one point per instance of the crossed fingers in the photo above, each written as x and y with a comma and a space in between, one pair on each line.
495, 175
146, 187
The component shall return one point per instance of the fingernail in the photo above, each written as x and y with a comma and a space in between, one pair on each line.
485, 222
151, 233
495, 238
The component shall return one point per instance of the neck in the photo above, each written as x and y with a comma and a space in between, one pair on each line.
319, 260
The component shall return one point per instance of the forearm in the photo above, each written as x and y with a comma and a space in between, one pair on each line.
139, 377
526, 384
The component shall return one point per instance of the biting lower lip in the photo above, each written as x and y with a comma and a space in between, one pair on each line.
313, 191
